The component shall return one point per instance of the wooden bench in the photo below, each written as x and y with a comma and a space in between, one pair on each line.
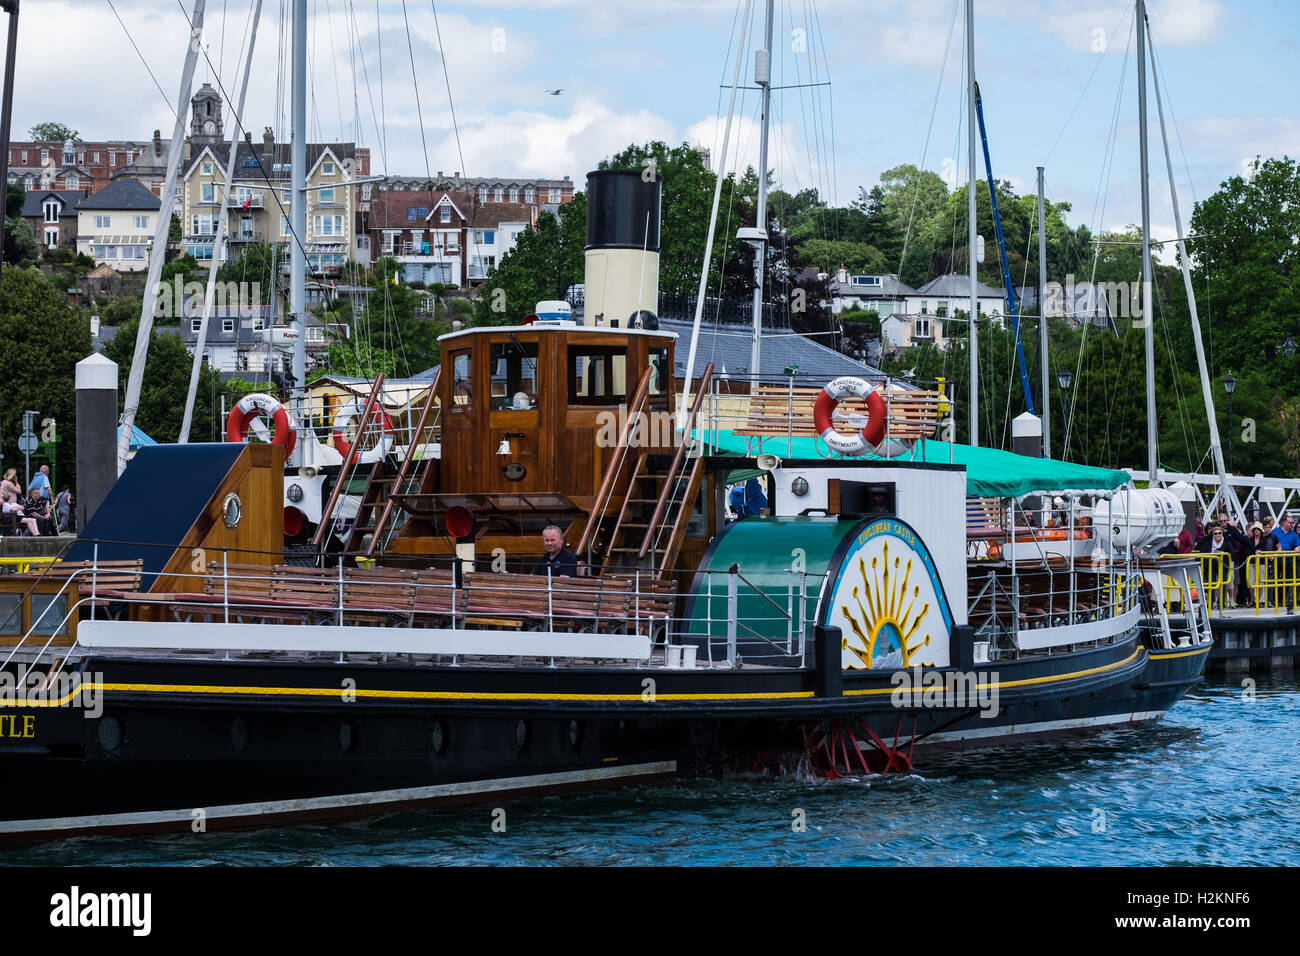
774, 411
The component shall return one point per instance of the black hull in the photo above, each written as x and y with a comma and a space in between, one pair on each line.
207, 744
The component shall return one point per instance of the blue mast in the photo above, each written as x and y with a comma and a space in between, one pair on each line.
1002, 253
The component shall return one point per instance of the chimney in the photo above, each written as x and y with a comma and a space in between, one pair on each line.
157, 142
268, 146
187, 147
248, 137
440, 174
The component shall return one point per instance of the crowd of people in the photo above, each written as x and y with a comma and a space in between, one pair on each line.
39, 511
1225, 536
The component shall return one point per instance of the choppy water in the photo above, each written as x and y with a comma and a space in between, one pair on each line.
1215, 783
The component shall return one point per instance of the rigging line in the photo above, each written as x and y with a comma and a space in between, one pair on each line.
334, 58
1084, 92
1180, 402
820, 213
1112, 142
442, 53
819, 125
221, 56
934, 108
370, 96
383, 116
240, 127
717, 110
171, 109
830, 106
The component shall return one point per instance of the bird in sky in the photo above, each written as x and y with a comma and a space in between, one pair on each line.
556, 92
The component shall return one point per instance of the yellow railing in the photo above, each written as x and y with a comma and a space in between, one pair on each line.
23, 565
1274, 580
1216, 574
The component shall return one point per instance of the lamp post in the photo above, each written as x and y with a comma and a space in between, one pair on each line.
1230, 386
1063, 378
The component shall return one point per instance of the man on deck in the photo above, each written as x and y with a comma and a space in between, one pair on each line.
559, 560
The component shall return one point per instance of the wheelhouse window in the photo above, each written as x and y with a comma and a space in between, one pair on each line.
514, 376
462, 379
597, 376
661, 378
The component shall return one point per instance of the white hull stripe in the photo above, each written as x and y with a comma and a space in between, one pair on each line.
377, 799
1046, 726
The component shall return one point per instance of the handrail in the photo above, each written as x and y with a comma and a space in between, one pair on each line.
353, 453
616, 462
382, 522
1272, 579
664, 493
70, 579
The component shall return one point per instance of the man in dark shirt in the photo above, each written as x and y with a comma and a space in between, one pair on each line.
558, 559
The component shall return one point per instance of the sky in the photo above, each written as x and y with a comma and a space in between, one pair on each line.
1054, 78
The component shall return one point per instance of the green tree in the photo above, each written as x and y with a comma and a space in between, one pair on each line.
174, 233
257, 263
166, 384
829, 255
349, 357
545, 261
15, 196
1246, 266
43, 340
53, 132
20, 244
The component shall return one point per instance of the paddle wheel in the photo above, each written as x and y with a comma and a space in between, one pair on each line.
838, 743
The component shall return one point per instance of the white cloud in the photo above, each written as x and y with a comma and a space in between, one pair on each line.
1097, 27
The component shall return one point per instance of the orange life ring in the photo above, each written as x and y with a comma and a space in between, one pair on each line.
344, 419
254, 406
829, 399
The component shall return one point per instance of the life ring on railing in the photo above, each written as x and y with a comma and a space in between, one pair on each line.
253, 406
343, 420
829, 399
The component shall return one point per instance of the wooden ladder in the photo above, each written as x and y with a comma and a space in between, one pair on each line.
401, 482
660, 504
376, 488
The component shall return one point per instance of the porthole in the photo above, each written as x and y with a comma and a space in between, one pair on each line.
241, 735
438, 738
575, 734
347, 736
521, 734
231, 510
110, 733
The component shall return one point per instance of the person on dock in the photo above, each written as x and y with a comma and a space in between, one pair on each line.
41, 482
558, 560
1287, 541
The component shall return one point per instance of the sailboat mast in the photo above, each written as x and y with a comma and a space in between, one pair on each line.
762, 77
1216, 445
1042, 318
1148, 319
970, 206
298, 207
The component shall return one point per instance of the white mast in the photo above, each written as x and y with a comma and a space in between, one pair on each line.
1148, 319
1216, 446
220, 239
158, 252
1042, 317
762, 77
684, 405
974, 296
298, 209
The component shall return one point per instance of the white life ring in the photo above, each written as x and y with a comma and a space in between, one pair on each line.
255, 405
343, 420
829, 399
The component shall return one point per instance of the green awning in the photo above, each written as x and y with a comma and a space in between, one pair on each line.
990, 472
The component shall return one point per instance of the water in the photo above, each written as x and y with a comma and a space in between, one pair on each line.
1212, 784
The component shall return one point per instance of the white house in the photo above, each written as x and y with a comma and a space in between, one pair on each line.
495, 229
116, 225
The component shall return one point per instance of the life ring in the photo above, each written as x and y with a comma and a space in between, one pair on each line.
829, 399
254, 406
343, 420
